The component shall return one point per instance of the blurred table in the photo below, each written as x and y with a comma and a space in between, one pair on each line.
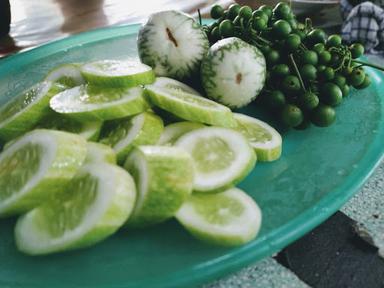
36, 22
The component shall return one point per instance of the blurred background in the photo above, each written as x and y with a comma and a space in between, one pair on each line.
25, 23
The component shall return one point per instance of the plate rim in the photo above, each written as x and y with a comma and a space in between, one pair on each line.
231, 261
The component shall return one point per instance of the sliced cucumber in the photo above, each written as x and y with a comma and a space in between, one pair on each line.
169, 83
222, 157
67, 74
86, 103
97, 202
97, 152
190, 106
233, 72
173, 43
143, 129
164, 178
174, 131
114, 73
25, 110
230, 218
37, 166
90, 130
266, 141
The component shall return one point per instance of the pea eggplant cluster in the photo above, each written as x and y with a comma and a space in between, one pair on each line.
309, 73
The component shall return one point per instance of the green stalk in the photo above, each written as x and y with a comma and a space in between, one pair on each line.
297, 72
363, 63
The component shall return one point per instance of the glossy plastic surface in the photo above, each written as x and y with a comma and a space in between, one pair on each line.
320, 169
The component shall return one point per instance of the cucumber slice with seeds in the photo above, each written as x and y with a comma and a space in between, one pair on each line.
36, 167
86, 103
164, 178
266, 141
222, 157
97, 202
229, 218
24, 111
97, 152
173, 43
114, 73
233, 72
143, 129
67, 74
174, 131
190, 106
89, 130
170, 83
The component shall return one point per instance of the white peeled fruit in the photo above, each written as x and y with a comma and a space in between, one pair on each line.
67, 74
164, 179
173, 43
37, 166
89, 103
118, 73
222, 157
174, 131
25, 110
189, 106
230, 218
142, 129
233, 72
263, 138
96, 203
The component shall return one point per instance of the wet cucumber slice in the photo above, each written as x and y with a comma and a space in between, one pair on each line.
164, 179
37, 166
266, 141
173, 43
24, 111
88, 103
90, 130
96, 203
169, 83
97, 152
143, 129
67, 75
174, 131
114, 73
233, 72
229, 218
190, 106
222, 157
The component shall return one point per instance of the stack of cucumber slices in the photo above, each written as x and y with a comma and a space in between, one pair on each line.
86, 155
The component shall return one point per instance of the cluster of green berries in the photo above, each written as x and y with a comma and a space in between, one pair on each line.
308, 72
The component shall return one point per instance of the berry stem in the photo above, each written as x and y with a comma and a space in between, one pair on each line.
297, 72
363, 63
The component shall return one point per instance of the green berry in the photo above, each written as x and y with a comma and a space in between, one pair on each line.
331, 94
217, 11
291, 115
333, 41
309, 100
226, 29
308, 72
291, 84
281, 28
292, 42
357, 50
245, 12
323, 115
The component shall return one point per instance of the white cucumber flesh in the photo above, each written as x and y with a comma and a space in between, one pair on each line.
230, 218
96, 203
222, 157
88, 103
142, 129
37, 166
164, 179
115, 73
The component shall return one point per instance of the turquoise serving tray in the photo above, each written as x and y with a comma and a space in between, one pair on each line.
320, 169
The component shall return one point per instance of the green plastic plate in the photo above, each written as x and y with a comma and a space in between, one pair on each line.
320, 169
